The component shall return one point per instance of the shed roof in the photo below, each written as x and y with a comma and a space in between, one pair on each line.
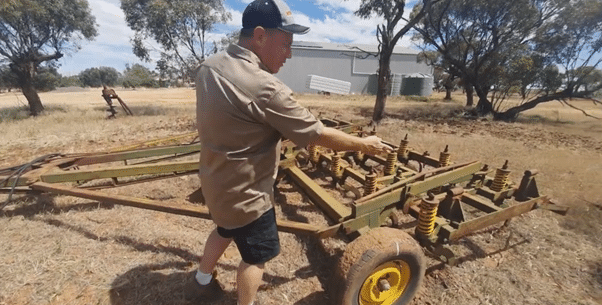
349, 47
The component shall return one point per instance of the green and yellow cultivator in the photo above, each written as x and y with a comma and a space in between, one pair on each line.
382, 264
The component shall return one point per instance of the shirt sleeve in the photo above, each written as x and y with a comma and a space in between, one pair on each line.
291, 119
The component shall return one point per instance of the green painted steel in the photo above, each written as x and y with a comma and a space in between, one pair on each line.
138, 154
332, 207
58, 176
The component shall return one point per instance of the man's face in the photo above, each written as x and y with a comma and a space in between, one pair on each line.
277, 49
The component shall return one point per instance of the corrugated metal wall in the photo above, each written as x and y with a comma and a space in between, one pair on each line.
342, 66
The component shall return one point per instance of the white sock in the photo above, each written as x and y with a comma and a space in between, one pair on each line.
203, 278
249, 304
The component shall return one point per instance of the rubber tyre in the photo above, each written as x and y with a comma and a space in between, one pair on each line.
371, 252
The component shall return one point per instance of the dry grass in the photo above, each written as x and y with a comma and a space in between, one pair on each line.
64, 250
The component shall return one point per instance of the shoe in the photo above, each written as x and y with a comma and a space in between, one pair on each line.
197, 293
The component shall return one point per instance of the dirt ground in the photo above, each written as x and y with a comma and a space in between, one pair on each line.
65, 250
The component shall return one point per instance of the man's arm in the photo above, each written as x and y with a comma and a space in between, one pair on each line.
339, 140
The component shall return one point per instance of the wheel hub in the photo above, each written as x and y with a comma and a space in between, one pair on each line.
385, 284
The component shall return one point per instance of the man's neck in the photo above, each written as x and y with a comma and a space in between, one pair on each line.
247, 44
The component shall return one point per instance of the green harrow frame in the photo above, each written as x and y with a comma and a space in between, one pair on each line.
448, 200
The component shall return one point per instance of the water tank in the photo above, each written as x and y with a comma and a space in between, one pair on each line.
396, 83
372, 85
417, 84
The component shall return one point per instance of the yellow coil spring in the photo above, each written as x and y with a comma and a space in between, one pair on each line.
501, 180
391, 162
370, 184
335, 166
444, 159
314, 156
403, 146
427, 217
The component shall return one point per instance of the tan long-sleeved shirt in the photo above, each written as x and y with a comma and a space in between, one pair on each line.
242, 113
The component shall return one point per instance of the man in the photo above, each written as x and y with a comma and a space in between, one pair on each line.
242, 113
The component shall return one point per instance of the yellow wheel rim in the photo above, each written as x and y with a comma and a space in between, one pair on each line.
386, 284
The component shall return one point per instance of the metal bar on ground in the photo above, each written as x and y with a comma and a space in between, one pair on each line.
334, 209
137, 154
119, 171
480, 203
154, 142
173, 208
473, 225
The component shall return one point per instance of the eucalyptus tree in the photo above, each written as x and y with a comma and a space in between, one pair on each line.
493, 43
97, 77
180, 28
223, 43
393, 27
33, 32
138, 75
573, 41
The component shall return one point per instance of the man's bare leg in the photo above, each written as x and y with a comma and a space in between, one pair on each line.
248, 280
214, 248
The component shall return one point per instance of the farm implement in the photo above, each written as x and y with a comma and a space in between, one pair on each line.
364, 196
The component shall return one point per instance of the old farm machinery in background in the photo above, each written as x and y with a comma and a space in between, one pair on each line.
382, 264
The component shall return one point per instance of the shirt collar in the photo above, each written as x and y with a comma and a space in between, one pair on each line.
237, 51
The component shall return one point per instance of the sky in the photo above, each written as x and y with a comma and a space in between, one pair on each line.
329, 20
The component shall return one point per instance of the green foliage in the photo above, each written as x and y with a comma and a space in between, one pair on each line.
139, 76
589, 77
179, 26
109, 76
90, 77
522, 72
97, 77
573, 40
37, 31
511, 45
476, 38
223, 43
7, 79
47, 79
550, 79
70, 81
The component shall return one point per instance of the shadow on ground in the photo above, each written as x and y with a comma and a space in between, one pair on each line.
156, 284
20, 113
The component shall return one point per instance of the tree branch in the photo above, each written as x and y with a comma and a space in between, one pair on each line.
368, 54
577, 108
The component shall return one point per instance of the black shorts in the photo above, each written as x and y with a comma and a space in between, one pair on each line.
258, 241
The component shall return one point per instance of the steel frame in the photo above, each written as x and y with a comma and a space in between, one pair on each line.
455, 186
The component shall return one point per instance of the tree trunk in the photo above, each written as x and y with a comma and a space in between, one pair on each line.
512, 113
484, 106
469, 96
447, 94
25, 73
383, 82
35, 104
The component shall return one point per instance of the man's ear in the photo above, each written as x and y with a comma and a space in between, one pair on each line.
260, 36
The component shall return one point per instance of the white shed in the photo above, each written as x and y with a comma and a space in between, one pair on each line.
352, 63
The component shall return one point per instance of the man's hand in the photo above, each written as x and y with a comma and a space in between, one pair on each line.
374, 145
338, 140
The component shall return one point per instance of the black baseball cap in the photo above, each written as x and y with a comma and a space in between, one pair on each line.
271, 14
